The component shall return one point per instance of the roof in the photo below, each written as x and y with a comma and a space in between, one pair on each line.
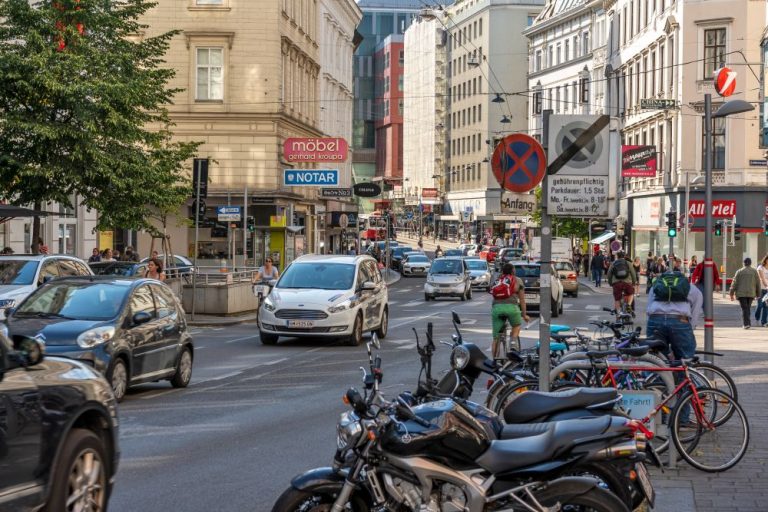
36, 257
557, 7
331, 258
391, 4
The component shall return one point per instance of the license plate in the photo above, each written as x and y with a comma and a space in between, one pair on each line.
301, 323
645, 482
445, 285
261, 289
418, 269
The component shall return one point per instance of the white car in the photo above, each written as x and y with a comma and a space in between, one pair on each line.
468, 249
448, 277
21, 274
415, 264
479, 273
326, 297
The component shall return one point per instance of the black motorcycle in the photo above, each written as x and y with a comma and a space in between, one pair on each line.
444, 456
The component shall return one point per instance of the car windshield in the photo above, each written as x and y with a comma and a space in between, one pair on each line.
417, 258
17, 272
477, 265
446, 267
113, 269
563, 265
318, 276
527, 270
399, 251
453, 252
76, 300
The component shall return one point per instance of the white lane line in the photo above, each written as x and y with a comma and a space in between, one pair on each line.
411, 320
398, 342
393, 302
593, 307
413, 303
567, 306
251, 337
155, 395
217, 328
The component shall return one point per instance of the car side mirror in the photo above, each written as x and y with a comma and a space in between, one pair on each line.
141, 317
26, 352
368, 286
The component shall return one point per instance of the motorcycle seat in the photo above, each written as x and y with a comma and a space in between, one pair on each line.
509, 454
556, 328
655, 345
634, 351
528, 406
573, 428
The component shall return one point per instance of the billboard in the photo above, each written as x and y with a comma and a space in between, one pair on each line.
315, 149
638, 161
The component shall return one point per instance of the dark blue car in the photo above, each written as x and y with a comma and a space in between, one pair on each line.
131, 330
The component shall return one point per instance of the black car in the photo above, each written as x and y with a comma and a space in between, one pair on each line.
530, 273
118, 268
398, 253
131, 330
58, 431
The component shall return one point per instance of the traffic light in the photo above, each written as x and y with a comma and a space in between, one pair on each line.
765, 227
737, 231
251, 223
672, 224
718, 229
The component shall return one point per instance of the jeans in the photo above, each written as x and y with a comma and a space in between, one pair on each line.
761, 313
746, 309
678, 334
597, 276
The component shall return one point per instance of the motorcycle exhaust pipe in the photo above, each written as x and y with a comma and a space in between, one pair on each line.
624, 449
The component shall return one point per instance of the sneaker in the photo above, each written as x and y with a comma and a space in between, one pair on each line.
747, 326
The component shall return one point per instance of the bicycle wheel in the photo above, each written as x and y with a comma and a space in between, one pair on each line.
511, 392
706, 379
703, 444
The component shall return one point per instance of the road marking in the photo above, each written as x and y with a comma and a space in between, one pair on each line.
393, 302
567, 306
398, 342
251, 337
217, 328
155, 395
411, 320
593, 307
413, 303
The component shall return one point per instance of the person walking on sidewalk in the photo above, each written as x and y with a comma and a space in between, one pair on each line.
637, 267
596, 266
745, 287
622, 278
761, 313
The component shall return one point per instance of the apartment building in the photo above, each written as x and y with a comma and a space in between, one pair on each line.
388, 63
487, 87
669, 50
252, 75
424, 124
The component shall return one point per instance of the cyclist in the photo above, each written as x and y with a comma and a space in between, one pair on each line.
266, 273
622, 278
508, 305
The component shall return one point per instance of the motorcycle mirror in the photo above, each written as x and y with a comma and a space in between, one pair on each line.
375, 340
356, 400
456, 318
415, 333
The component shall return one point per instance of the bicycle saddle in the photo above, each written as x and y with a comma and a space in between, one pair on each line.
634, 351
557, 328
602, 354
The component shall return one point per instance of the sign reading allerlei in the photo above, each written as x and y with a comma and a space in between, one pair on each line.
638, 161
578, 196
721, 208
310, 149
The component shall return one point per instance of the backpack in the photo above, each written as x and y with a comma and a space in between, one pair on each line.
621, 269
504, 288
671, 287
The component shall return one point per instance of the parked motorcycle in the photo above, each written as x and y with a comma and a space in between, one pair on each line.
444, 456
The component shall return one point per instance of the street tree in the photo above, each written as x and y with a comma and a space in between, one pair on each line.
570, 227
83, 96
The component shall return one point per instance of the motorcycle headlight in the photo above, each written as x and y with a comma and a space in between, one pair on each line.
96, 336
269, 305
348, 430
459, 357
344, 305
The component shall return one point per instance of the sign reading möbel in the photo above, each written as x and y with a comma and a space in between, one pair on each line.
327, 149
721, 208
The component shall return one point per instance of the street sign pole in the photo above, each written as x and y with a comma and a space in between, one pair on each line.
671, 238
199, 165
709, 322
725, 257
545, 305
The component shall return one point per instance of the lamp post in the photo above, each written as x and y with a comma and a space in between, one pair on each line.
688, 182
727, 109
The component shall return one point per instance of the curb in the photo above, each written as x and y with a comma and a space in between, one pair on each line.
222, 322
392, 277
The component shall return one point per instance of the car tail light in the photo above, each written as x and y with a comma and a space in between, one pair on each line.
571, 277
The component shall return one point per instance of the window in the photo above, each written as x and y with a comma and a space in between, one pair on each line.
575, 46
567, 50
714, 51
400, 83
718, 144
566, 103
209, 2
557, 99
550, 60
141, 302
559, 60
474, 115
585, 43
661, 68
481, 26
166, 306
671, 73
386, 108
538, 61
386, 60
210, 74
386, 84
401, 57
537, 103
400, 106
652, 75
530, 21
479, 113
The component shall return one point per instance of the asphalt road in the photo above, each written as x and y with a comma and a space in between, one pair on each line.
254, 416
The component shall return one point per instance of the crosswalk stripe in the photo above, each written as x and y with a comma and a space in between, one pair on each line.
593, 307
412, 303
567, 306
398, 342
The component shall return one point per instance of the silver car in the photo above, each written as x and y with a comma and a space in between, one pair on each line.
479, 273
448, 277
415, 264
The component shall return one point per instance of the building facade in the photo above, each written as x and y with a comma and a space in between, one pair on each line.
389, 62
487, 59
669, 50
254, 74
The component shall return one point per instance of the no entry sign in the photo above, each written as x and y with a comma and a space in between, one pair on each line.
725, 81
519, 163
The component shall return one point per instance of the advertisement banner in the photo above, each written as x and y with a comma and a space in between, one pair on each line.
638, 161
721, 208
429, 192
310, 149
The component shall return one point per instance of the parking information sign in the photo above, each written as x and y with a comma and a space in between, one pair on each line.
580, 187
229, 213
311, 177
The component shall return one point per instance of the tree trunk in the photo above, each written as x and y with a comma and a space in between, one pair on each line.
36, 229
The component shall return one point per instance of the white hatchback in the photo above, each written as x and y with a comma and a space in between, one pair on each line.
326, 297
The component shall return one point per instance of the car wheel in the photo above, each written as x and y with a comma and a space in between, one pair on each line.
80, 479
381, 332
555, 310
268, 339
118, 379
356, 338
575, 294
183, 370
469, 293
426, 297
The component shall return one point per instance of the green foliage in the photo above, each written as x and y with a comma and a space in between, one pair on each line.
82, 110
568, 227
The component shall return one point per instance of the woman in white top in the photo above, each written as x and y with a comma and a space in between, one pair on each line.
761, 313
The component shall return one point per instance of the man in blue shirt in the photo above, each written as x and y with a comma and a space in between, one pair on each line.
673, 322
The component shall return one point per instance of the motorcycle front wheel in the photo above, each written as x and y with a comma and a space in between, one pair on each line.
294, 500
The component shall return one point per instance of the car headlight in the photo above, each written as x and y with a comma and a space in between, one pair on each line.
96, 336
348, 430
459, 357
459, 279
344, 305
269, 305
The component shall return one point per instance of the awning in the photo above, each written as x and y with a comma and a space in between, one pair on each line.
603, 238
8, 212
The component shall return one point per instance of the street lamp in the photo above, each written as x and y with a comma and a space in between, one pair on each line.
728, 108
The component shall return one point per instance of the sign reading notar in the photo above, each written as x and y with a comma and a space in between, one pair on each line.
310, 149
311, 177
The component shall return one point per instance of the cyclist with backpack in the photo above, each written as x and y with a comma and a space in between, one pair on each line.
508, 306
622, 278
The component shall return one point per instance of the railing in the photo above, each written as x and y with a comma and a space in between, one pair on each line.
214, 275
